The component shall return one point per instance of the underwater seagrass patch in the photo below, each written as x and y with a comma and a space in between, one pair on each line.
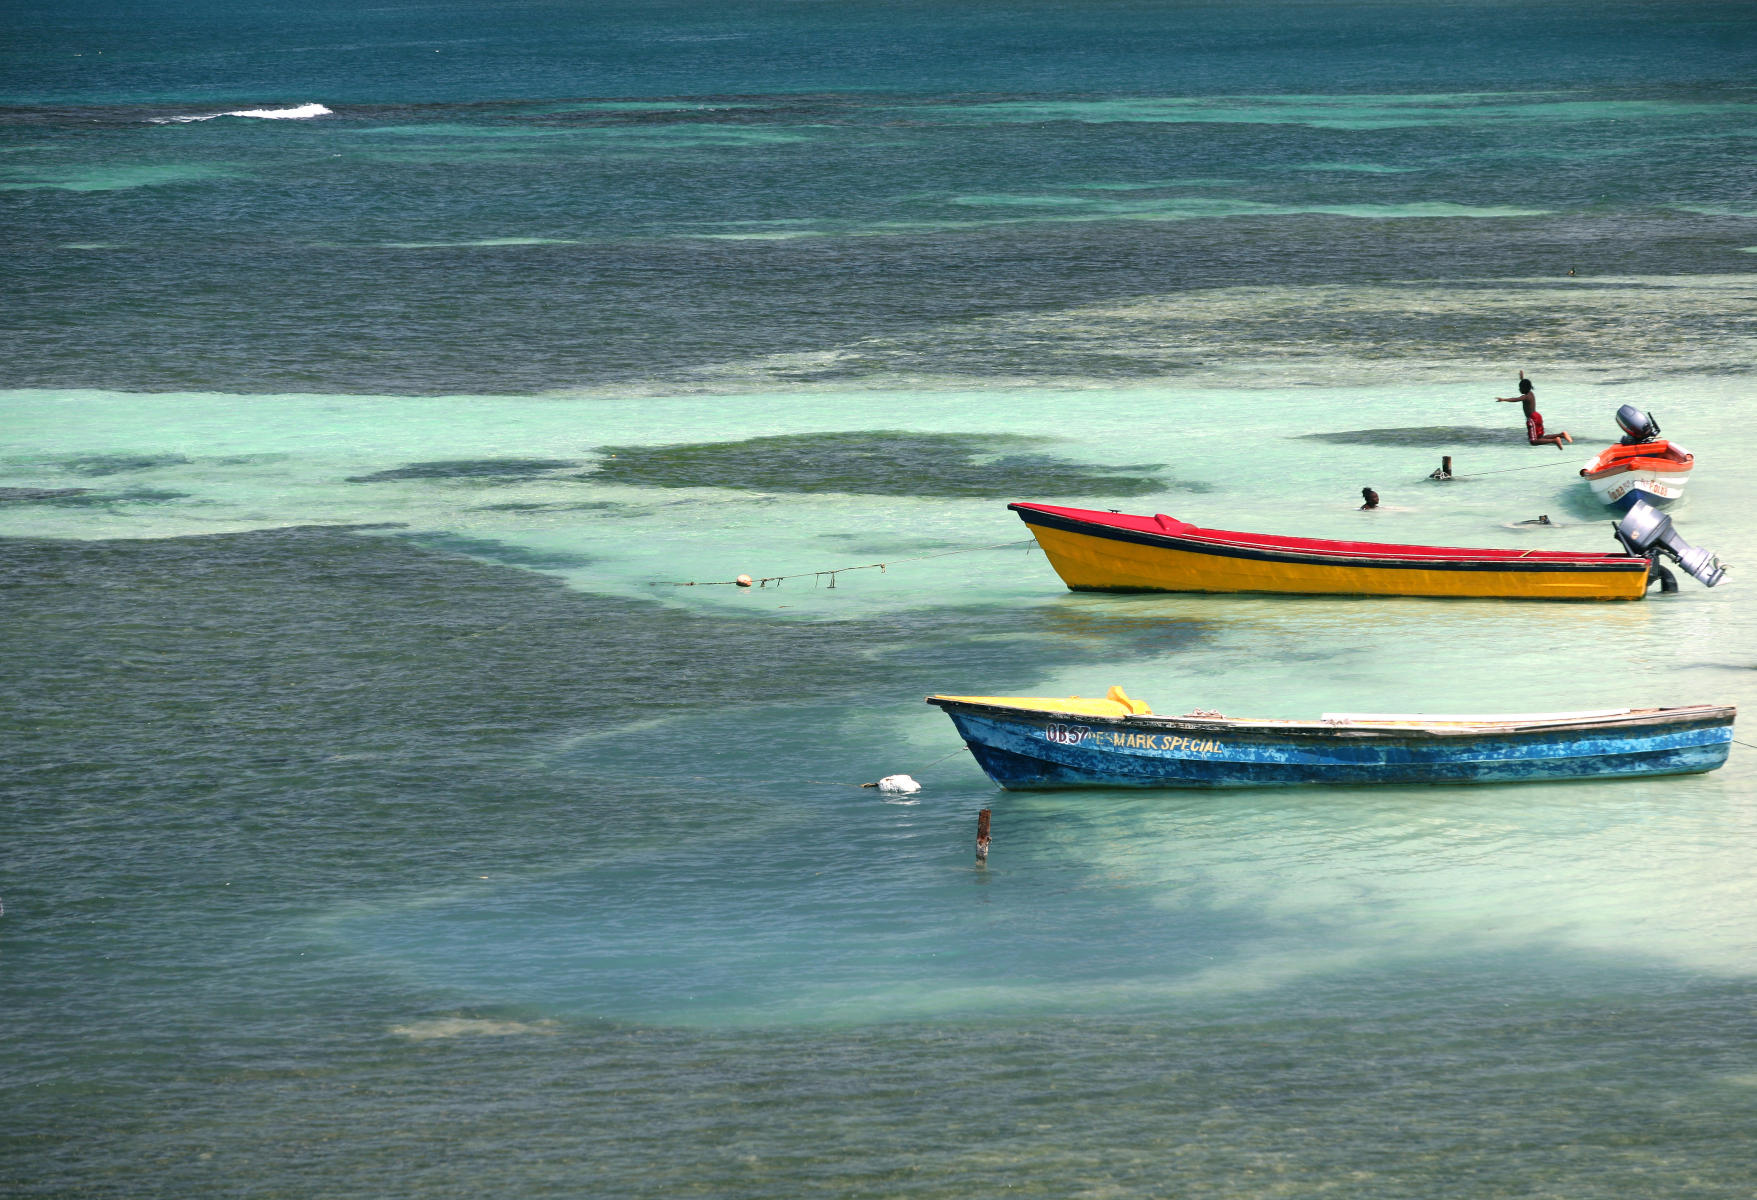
469, 468
95, 465
496, 551
879, 463
88, 498
552, 506
30, 495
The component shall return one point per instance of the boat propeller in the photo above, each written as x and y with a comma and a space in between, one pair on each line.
1647, 533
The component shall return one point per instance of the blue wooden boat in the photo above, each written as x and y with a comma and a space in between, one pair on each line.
1036, 742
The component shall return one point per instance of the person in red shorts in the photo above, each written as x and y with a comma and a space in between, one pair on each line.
1533, 419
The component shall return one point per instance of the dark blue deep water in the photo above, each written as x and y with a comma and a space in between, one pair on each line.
374, 823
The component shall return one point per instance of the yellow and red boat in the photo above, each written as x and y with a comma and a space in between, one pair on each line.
1122, 552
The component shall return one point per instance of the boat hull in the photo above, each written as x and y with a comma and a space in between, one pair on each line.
1100, 555
1621, 491
1654, 472
1026, 751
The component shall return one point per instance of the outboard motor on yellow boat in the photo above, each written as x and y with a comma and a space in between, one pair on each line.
1647, 533
1637, 426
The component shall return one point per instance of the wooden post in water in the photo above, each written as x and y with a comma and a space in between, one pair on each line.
982, 836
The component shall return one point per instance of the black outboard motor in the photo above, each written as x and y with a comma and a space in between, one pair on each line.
1637, 426
1647, 533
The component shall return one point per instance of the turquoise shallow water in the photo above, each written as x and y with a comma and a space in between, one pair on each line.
383, 817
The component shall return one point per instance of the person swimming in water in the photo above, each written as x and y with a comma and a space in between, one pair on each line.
1534, 431
1370, 496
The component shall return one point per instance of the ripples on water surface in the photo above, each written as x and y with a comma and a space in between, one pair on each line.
381, 820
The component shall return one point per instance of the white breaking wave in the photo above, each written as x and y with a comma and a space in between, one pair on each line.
302, 112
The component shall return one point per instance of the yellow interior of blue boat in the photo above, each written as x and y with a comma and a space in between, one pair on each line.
1116, 703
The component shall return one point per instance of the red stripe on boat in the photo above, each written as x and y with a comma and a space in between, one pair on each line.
1164, 526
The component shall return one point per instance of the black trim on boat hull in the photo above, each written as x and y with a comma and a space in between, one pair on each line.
1165, 541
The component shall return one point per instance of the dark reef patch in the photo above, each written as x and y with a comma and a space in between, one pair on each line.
469, 468
380, 673
29, 495
496, 551
879, 463
120, 464
538, 506
86, 498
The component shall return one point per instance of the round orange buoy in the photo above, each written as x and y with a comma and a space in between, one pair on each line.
742, 581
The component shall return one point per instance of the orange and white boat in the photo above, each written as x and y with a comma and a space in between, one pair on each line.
1643, 467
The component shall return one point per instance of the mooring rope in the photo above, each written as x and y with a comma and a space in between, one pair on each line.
721, 781
942, 758
766, 580
1508, 471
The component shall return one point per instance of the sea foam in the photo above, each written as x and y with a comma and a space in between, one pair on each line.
301, 112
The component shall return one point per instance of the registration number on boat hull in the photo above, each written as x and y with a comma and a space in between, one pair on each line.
1074, 735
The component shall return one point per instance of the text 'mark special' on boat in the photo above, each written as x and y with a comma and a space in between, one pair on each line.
1038, 742
1642, 467
1123, 552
